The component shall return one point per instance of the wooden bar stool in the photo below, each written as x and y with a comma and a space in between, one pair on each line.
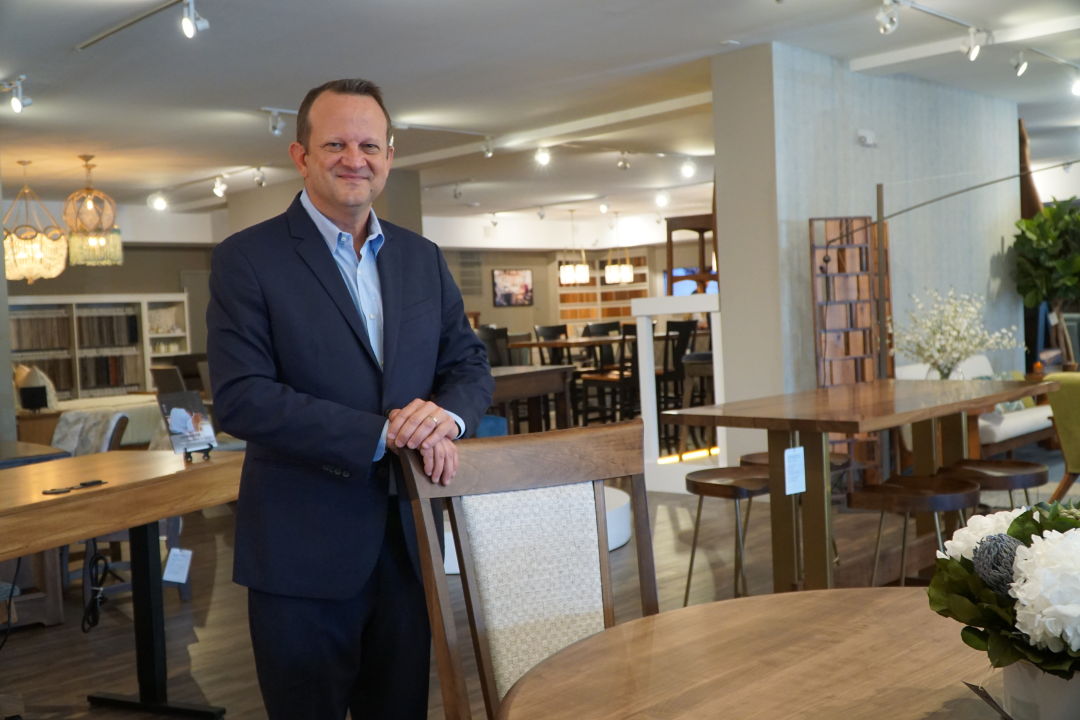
1004, 475
729, 483
909, 494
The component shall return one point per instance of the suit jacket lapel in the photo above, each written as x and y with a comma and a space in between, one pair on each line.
390, 279
312, 248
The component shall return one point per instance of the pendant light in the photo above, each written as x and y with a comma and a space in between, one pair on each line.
34, 245
90, 215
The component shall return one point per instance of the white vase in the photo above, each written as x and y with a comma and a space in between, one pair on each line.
1031, 694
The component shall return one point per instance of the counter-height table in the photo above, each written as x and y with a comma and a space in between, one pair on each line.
140, 488
807, 418
859, 654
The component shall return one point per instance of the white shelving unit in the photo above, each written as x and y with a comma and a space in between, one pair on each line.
95, 345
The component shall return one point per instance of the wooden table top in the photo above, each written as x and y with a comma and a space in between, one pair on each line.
141, 486
14, 452
862, 407
506, 371
858, 654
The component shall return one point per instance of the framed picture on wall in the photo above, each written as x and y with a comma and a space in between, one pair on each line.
511, 288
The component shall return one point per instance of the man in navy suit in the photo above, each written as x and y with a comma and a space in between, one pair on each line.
333, 337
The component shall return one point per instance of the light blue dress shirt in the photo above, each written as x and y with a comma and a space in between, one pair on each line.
361, 276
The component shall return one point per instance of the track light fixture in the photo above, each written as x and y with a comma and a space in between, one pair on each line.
1020, 65
192, 23
623, 163
259, 177
488, 147
542, 157
973, 46
541, 213
277, 124
219, 188
157, 202
456, 192
15, 87
888, 17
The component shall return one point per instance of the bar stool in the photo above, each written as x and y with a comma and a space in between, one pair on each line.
943, 492
1005, 475
729, 483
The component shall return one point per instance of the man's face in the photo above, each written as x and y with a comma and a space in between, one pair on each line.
347, 159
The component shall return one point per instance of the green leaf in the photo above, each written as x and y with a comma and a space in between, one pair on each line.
1001, 651
974, 637
964, 610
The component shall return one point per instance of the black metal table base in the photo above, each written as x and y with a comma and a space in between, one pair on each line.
127, 702
149, 617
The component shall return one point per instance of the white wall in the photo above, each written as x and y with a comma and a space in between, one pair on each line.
528, 232
932, 140
1060, 183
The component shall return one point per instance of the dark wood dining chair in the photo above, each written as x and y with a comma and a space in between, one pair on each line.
552, 356
529, 526
601, 356
615, 389
497, 342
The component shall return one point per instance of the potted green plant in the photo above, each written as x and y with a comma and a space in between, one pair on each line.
1013, 579
1047, 253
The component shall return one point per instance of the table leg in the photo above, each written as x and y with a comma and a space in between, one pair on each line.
148, 606
536, 423
954, 439
782, 512
562, 406
924, 447
817, 512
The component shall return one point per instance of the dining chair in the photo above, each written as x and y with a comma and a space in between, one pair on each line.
528, 518
601, 356
519, 356
1065, 404
496, 340
552, 356
616, 388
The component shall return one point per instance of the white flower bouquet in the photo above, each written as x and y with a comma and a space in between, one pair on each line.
947, 329
1013, 579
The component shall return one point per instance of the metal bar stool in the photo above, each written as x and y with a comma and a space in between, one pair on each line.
1004, 475
729, 483
915, 494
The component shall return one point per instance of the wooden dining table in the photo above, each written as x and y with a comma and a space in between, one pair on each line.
806, 418
852, 654
532, 383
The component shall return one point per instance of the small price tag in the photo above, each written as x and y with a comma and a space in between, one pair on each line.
794, 471
177, 565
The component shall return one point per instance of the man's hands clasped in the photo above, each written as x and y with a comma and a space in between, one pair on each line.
425, 426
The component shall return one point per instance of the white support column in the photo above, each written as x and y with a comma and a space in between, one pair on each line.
670, 477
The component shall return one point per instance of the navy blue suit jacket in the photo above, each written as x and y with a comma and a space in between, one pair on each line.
294, 374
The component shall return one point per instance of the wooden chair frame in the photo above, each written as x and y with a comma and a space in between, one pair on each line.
521, 462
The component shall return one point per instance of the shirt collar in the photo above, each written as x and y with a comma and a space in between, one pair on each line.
332, 234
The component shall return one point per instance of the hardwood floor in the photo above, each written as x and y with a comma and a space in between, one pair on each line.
209, 656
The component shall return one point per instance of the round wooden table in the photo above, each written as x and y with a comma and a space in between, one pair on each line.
849, 654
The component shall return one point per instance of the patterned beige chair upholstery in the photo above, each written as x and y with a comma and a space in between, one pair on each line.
530, 531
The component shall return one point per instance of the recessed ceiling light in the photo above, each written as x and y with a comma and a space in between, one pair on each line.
157, 201
688, 168
662, 199
604, 208
542, 157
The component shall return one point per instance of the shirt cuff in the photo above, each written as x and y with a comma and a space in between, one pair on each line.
380, 448
457, 419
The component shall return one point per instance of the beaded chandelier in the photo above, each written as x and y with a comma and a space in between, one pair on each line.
90, 214
34, 245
